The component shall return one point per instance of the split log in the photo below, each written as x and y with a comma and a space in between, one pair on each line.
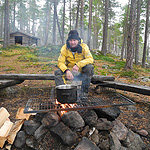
4, 131
2, 141
15, 129
21, 115
4, 114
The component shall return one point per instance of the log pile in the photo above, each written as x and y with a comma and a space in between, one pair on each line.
8, 129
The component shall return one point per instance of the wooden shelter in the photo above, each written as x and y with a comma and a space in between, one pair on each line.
22, 38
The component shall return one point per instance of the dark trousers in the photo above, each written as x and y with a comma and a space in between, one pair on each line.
84, 76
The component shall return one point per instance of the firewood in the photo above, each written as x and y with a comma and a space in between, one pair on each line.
2, 141
4, 131
21, 115
15, 129
4, 114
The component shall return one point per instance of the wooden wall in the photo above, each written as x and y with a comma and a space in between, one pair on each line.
26, 40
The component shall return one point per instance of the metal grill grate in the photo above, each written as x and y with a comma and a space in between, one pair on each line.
44, 100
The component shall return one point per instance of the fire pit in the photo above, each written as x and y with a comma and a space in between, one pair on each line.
44, 99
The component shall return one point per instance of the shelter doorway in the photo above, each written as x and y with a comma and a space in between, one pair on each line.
18, 40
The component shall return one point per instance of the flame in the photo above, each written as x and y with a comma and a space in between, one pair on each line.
65, 106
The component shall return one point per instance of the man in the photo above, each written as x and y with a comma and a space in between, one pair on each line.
75, 57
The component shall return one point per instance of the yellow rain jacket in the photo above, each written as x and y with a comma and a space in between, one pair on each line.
68, 59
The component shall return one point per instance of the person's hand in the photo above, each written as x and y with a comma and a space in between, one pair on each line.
75, 68
69, 75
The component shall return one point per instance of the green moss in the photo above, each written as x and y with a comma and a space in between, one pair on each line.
28, 57
129, 73
118, 65
102, 57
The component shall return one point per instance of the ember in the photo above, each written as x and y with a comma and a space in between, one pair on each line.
65, 106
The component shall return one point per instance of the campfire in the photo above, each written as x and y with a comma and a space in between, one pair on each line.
88, 124
64, 106
45, 100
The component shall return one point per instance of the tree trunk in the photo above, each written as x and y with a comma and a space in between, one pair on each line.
77, 16
2, 24
105, 28
137, 32
54, 23
48, 14
33, 27
146, 35
58, 26
125, 33
95, 32
70, 15
6, 25
81, 19
14, 16
130, 40
63, 25
109, 39
20, 18
89, 25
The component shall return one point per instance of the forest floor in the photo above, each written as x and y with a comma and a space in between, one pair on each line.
132, 116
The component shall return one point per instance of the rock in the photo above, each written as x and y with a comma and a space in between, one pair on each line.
31, 126
90, 117
111, 113
95, 137
86, 144
12, 90
142, 132
66, 134
137, 143
133, 128
146, 80
120, 130
114, 142
40, 132
73, 119
85, 131
51, 142
39, 117
20, 139
132, 108
133, 141
104, 124
104, 145
50, 119
32, 143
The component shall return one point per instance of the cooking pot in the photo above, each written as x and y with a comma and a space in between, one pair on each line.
66, 93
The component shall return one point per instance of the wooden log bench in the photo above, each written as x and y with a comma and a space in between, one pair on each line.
8, 83
7, 80
47, 77
106, 81
145, 90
